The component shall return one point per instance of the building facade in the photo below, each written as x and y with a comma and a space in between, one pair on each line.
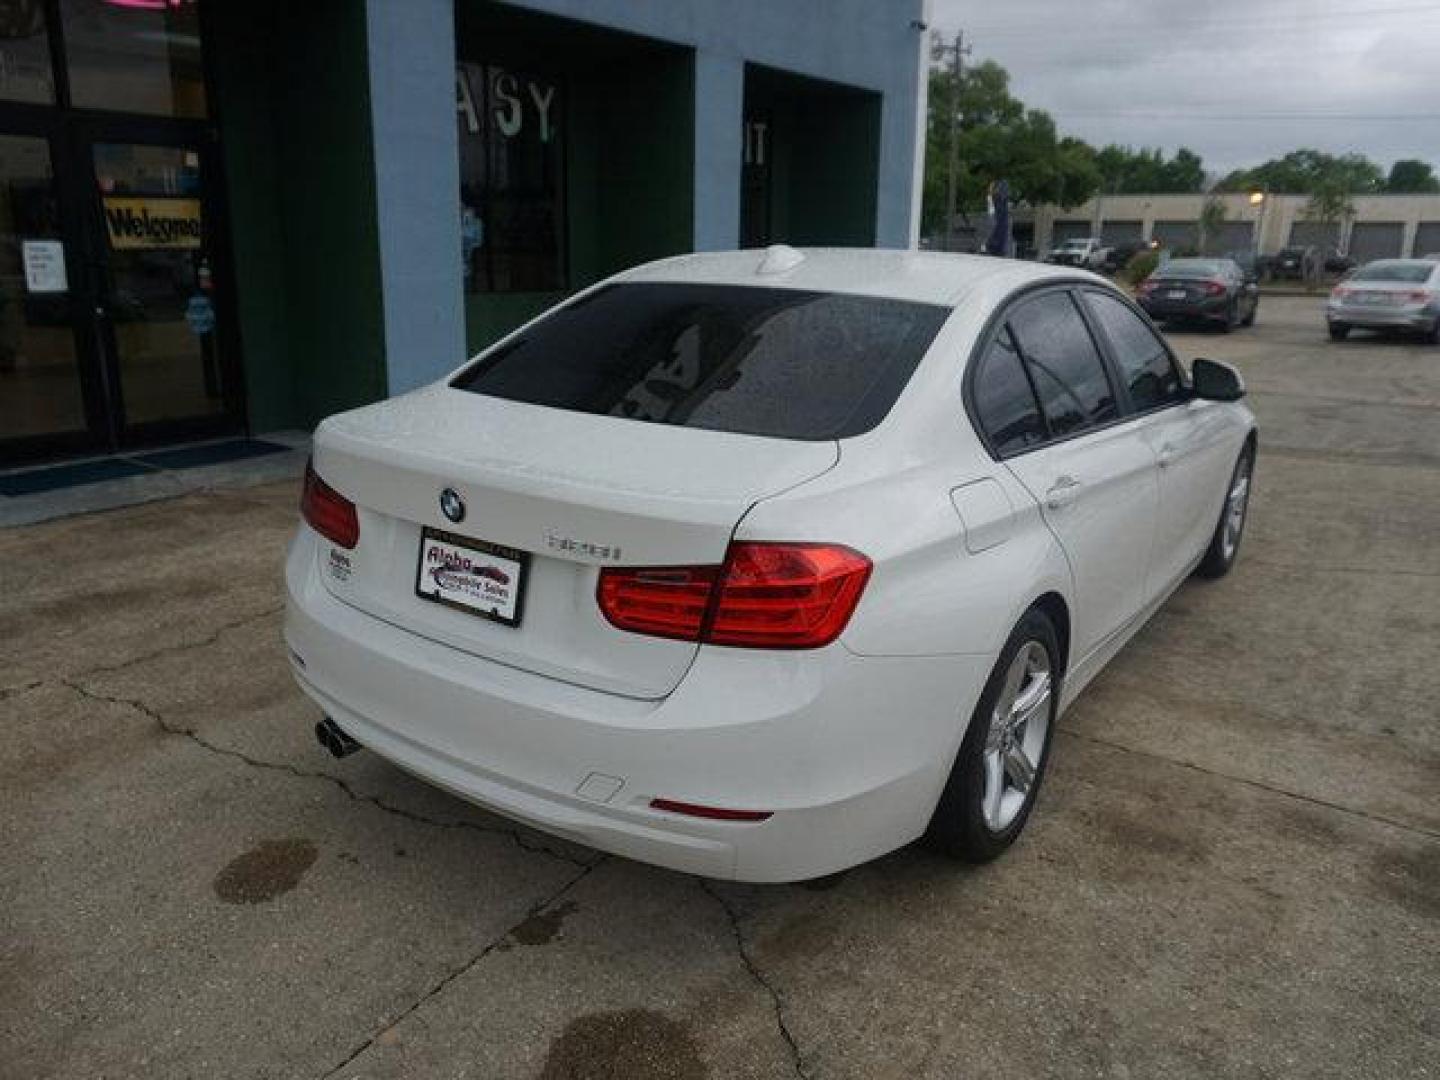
1382, 226
219, 216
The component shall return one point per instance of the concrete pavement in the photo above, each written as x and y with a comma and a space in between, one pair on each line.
1234, 869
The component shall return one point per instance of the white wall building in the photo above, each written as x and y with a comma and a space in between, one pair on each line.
1383, 226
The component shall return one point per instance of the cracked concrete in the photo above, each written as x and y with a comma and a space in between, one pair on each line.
777, 1000
1234, 870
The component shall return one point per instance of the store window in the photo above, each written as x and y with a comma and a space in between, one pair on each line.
25, 73
511, 182
135, 55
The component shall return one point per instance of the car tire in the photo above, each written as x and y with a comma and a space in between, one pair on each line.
1433, 334
1232, 318
975, 820
1230, 529
1339, 331
1249, 320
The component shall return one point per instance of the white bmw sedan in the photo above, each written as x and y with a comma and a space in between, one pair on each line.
759, 565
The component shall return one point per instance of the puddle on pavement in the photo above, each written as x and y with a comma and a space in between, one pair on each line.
541, 927
267, 870
1410, 878
633, 1044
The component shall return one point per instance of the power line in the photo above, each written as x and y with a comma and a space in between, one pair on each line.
1244, 22
1181, 114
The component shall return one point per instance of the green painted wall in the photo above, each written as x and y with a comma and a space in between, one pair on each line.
293, 108
629, 147
834, 172
824, 157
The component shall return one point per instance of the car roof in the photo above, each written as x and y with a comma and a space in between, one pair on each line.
931, 277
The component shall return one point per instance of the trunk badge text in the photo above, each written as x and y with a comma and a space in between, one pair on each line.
558, 542
452, 506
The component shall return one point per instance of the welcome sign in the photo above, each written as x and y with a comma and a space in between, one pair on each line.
150, 222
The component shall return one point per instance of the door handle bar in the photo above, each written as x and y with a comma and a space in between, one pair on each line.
1062, 493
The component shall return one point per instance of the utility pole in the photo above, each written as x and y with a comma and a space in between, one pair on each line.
956, 52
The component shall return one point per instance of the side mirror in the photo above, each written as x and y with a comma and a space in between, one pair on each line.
1214, 381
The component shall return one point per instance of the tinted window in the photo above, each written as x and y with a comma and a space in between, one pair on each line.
1004, 401
777, 362
1144, 362
1194, 268
1412, 271
1063, 362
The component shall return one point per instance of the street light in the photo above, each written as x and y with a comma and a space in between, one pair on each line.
1260, 200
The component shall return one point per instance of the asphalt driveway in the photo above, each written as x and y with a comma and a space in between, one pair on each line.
1234, 869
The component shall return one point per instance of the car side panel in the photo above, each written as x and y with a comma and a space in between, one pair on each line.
1196, 444
930, 593
1098, 493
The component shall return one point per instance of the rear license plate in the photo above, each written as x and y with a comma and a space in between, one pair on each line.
472, 576
1175, 294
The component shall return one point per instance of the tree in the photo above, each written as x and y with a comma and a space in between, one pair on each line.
999, 138
1329, 205
1125, 171
1303, 172
1211, 223
1410, 176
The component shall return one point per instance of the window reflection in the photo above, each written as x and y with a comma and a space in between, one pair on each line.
25, 53
135, 55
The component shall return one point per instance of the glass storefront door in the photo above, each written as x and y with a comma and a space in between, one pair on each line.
41, 393
113, 280
155, 284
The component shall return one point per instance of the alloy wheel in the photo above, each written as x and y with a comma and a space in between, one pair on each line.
1236, 504
1015, 742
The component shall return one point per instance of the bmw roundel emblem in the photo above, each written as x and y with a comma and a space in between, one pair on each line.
452, 506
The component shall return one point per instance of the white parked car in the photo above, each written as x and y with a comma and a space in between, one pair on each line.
761, 565
1389, 294
1086, 252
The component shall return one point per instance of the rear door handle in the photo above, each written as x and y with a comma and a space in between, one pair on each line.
1062, 493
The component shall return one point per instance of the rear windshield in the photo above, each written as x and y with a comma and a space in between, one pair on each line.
756, 361
1191, 268
1394, 270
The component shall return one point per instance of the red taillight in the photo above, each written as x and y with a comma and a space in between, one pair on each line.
662, 601
1340, 292
1146, 286
718, 813
764, 596
327, 511
1417, 296
1214, 288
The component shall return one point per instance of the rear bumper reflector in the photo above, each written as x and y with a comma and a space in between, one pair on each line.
717, 813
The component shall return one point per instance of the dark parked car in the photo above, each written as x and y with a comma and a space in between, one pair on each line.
1117, 256
1192, 290
1297, 263
1337, 262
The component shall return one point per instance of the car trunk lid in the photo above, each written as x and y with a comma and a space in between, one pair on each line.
571, 491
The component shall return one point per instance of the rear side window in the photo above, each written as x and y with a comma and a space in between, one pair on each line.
1144, 362
1063, 362
1004, 401
760, 361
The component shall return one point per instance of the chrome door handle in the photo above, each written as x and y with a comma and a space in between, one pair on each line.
1167, 455
1062, 493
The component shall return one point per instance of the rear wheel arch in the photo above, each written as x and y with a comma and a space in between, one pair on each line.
1054, 607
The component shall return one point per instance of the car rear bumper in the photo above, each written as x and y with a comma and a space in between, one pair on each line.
848, 753
1373, 317
1217, 307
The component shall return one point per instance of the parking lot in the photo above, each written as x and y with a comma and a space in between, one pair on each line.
1234, 869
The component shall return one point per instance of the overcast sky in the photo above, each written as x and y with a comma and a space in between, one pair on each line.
1237, 81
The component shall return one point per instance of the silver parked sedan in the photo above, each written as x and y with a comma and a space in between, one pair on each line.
1391, 294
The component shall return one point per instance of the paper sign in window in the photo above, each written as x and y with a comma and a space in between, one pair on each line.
44, 266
